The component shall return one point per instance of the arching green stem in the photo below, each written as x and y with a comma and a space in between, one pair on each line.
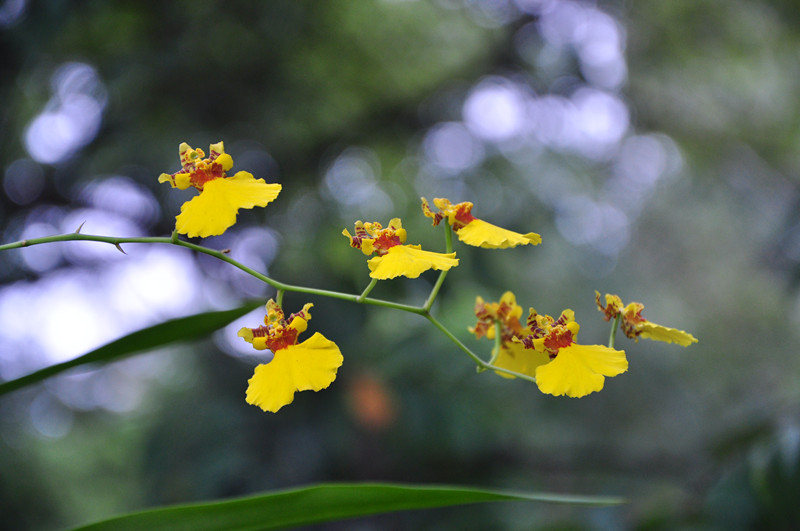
281, 287
483, 365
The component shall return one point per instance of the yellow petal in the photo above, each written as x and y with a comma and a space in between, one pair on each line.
409, 261
300, 324
368, 246
515, 357
246, 334
668, 335
508, 298
181, 181
480, 233
225, 160
311, 365
215, 209
580, 369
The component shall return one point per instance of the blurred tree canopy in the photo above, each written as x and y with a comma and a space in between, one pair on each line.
654, 145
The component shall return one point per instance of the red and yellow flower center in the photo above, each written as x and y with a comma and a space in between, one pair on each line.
458, 215
197, 169
276, 338
551, 335
371, 237
201, 170
507, 312
277, 332
557, 339
462, 215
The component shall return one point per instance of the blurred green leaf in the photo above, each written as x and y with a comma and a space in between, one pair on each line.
320, 503
182, 329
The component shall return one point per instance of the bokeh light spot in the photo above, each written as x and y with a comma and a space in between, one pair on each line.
49, 417
603, 227
40, 258
352, 182
12, 12
72, 117
124, 197
452, 148
23, 181
494, 110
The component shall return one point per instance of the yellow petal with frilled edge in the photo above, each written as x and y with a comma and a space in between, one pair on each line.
515, 357
181, 181
409, 261
580, 369
668, 335
215, 209
309, 366
480, 233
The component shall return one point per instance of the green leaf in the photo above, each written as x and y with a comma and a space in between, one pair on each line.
182, 329
320, 503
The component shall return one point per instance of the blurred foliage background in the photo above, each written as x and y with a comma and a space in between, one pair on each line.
654, 145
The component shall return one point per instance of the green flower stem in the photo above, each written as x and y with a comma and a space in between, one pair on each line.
435, 291
516, 374
220, 255
367, 290
448, 238
279, 286
498, 341
482, 365
498, 344
614, 326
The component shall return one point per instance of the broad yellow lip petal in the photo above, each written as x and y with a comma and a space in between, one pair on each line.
480, 233
409, 261
308, 366
579, 370
515, 357
215, 209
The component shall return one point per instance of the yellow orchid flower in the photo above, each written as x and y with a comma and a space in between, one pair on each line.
474, 231
635, 326
310, 365
506, 311
393, 258
574, 370
221, 196
512, 354
515, 357
546, 349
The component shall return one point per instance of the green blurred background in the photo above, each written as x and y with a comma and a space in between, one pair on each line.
654, 145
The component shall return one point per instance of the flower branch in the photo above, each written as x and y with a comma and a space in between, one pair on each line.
281, 287
220, 255
540, 349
